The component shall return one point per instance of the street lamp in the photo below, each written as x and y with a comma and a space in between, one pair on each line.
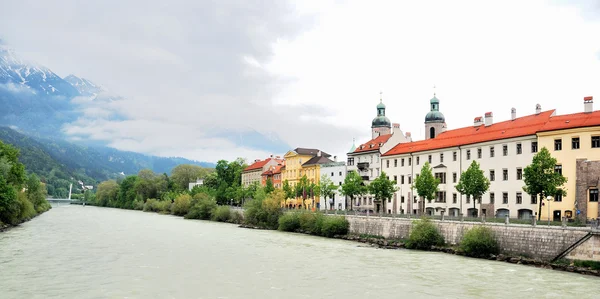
549, 198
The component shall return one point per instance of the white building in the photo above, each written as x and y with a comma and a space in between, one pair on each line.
336, 172
198, 182
502, 149
365, 159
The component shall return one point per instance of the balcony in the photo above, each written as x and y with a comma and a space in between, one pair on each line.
363, 165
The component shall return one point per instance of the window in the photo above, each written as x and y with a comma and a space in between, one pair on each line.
505, 150
558, 197
557, 144
401, 162
396, 179
429, 159
468, 154
505, 174
519, 174
409, 161
402, 179
492, 152
340, 173
340, 183
454, 177
409, 180
454, 197
396, 162
534, 147
442, 158
534, 199
440, 196
387, 163
453, 156
593, 195
558, 168
468, 199
402, 199
575, 143
519, 198
332, 174
492, 197
350, 161
595, 141
441, 176
519, 149
377, 171
418, 160
492, 175
478, 153
504, 198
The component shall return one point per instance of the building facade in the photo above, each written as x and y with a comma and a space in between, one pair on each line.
336, 172
253, 173
273, 174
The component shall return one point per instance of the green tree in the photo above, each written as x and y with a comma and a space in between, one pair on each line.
9, 204
473, 183
36, 193
541, 179
382, 189
184, 174
269, 186
353, 186
326, 188
426, 184
107, 193
287, 189
127, 192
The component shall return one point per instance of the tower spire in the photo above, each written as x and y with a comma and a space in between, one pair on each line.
380, 96
434, 90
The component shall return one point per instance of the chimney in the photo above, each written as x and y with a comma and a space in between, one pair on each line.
318, 153
334, 158
257, 160
588, 104
271, 156
489, 119
478, 121
395, 127
513, 113
538, 108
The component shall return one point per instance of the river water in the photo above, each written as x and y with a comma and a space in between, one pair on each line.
88, 252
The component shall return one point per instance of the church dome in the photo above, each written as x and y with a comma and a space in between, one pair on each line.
435, 116
381, 121
381, 105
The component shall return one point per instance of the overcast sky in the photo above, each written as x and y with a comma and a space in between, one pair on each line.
198, 77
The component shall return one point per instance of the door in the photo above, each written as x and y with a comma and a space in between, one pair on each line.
556, 215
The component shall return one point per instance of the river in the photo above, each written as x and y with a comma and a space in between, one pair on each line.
89, 252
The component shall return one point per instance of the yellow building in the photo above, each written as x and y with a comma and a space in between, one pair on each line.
301, 162
570, 138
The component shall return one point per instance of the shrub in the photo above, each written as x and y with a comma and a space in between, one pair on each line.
289, 222
263, 211
312, 222
164, 206
479, 242
182, 204
423, 235
221, 214
202, 209
334, 225
236, 217
26, 209
138, 205
151, 205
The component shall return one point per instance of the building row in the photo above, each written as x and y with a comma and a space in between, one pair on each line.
503, 150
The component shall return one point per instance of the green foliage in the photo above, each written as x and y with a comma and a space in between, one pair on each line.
222, 214
326, 188
151, 205
264, 211
334, 225
540, 178
353, 186
426, 184
106, 193
287, 189
36, 194
289, 222
312, 222
473, 183
237, 217
182, 205
184, 174
138, 205
382, 189
423, 235
479, 241
163, 207
228, 180
269, 186
26, 208
202, 208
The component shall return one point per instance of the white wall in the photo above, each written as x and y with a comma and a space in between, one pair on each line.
339, 174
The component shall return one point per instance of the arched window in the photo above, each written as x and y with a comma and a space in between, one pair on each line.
431, 132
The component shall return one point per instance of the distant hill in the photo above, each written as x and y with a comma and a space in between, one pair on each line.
57, 161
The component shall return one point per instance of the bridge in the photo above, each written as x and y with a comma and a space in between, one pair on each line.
64, 201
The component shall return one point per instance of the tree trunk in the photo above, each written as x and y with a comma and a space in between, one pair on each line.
540, 208
351, 202
474, 207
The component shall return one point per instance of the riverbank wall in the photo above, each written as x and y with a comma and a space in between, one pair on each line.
539, 242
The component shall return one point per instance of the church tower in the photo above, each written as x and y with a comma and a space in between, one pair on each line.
381, 125
435, 123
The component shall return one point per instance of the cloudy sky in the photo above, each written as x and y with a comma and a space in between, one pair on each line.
220, 79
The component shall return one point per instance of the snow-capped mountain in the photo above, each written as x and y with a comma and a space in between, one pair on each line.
84, 86
22, 75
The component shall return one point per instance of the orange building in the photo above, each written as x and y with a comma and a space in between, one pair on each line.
274, 174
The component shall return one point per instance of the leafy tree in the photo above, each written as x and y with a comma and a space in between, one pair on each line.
287, 189
353, 186
541, 179
269, 186
426, 184
107, 192
150, 184
9, 205
382, 189
36, 193
473, 183
184, 174
127, 192
326, 188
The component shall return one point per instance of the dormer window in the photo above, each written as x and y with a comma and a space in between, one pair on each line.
371, 145
381, 144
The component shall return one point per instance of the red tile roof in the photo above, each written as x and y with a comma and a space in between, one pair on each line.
259, 164
570, 121
522, 126
373, 144
273, 170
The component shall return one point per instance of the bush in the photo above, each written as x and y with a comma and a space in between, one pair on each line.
151, 205
264, 211
164, 207
289, 222
423, 235
202, 209
312, 222
236, 217
221, 214
138, 205
479, 242
334, 225
26, 209
182, 205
